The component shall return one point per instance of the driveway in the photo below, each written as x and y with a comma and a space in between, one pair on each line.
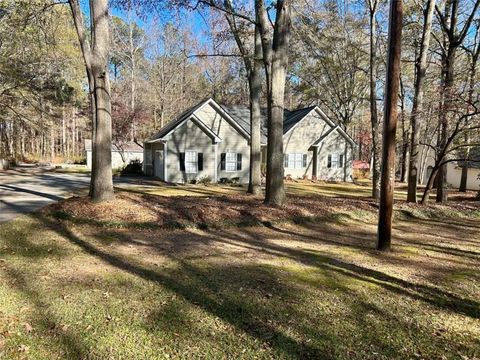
26, 189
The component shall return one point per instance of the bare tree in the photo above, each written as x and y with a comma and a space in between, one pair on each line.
474, 54
252, 66
390, 125
454, 38
96, 56
376, 148
417, 108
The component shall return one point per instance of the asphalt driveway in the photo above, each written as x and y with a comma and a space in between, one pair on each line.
27, 189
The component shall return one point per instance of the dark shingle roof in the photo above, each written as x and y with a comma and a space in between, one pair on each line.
241, 114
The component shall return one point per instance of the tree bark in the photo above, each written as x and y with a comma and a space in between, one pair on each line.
376, 147
96, 63
252, 67
275, 194
449, 22
390, 126
417, 108
255, 84
475, 54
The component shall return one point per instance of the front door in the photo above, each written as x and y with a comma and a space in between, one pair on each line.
158, 164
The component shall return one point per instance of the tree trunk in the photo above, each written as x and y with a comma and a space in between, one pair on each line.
475, 53
376, 147
442, 191
96, 63
390, 126
417, 108
263, 24
252, 68
464, 177
405, 136
132, 80
275, 194
255, 84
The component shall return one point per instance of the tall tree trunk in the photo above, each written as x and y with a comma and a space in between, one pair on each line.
263, 24
417, 108
64, 133
465, 165
281, 38
405, 135
255, 84
475, 54
132, 80
252, 67
96, 63
390, 126
442, 191
376, 146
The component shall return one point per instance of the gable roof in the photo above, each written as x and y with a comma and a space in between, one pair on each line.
239, 117
191, 114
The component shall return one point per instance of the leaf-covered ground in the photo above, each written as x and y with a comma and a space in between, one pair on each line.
104, 282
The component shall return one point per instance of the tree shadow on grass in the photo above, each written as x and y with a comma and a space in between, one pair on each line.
223, 309
45, 323
432, 295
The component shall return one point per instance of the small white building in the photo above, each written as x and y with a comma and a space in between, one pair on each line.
122, 154
454, 171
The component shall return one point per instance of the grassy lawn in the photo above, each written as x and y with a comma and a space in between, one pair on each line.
114, 281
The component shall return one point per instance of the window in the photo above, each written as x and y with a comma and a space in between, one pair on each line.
295, 161
335, 161
191, 162
231, 161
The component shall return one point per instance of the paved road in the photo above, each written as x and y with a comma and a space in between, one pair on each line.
25, 189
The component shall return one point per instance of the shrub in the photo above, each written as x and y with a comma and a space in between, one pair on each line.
133, 168
205, 180
80, 160
224, 180
235, 180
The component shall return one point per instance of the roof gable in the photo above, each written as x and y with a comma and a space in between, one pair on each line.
239, 118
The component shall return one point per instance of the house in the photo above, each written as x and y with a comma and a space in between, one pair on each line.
122, 154
211, 140
454, 170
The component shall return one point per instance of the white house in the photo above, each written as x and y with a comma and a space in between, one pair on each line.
122, 154
210, 140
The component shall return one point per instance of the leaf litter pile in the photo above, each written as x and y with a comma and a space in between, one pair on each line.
142, 210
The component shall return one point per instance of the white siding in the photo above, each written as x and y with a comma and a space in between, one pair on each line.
335, 143
117, 161
232, 141
189, 136
300, 139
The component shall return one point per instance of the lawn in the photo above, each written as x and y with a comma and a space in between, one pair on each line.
221, 276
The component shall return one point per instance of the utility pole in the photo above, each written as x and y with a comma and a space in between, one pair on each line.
387, 184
